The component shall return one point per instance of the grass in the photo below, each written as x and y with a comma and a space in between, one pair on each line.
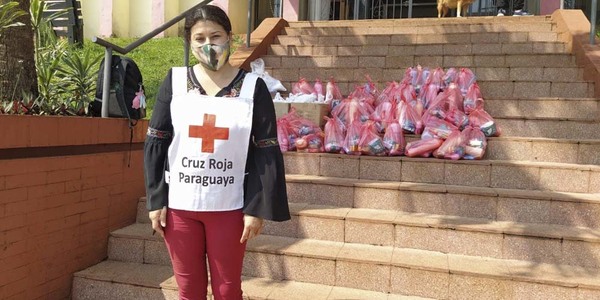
155, 58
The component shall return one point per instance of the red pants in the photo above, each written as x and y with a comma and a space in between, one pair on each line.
192, 237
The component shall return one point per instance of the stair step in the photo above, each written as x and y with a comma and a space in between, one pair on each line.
418, 38
493, 204
492, 89
574, 108
513, 67
398, 28
118, 280
457, 235
583, 152
345, 62
488, 173
372, 48
404, 271
122, 280
364, 266
532, 149
420, 22
556, 128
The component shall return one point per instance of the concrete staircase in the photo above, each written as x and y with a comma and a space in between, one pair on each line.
522, 224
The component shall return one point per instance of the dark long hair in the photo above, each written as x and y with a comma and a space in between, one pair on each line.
206, 13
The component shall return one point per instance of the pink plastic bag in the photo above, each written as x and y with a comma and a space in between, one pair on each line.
333, 96
299, 125
465, 79
393, 140
360, 94
302, 87
452, 148
480, 118
351, 109
440, 128
422, 148
390, 93
283, 135
408, 118
334, 135
457, 117
384, 115
370, 143
371, 88
451, 76
318, 87
352, 138
312, 143
473, 99
475, 143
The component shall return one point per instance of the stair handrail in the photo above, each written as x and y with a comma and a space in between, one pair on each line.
109, 47
593, 22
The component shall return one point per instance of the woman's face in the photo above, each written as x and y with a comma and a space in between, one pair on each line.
210, 44
207, 32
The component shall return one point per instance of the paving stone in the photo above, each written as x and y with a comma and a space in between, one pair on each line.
371, 169
532, 249
321, 229
363, 276
410, 282
467, 174
306, 269
126, 249
467, 287
376, 198
427, 172
263, 265
561, 180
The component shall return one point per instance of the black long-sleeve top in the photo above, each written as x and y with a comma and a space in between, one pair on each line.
265, 194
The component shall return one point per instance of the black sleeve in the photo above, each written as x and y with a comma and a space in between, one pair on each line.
158, 140
265, 190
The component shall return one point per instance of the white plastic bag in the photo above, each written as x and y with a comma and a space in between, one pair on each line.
258, 68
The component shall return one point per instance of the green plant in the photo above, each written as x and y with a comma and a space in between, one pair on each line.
9, 13
66, 75
77, 75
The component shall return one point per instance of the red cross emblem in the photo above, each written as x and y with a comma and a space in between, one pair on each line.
209, 133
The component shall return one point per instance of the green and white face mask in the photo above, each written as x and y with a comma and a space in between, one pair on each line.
213, 56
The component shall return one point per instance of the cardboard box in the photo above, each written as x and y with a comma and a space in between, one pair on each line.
312, 111
281, 108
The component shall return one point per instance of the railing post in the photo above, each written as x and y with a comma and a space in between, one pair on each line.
110, 47
249, 23
562, 4
410, 7
593, 21
186, 52
106, 81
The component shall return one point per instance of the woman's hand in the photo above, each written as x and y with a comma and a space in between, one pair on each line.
252, 227
159, 220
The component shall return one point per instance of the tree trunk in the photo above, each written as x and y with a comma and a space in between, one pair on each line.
17, 62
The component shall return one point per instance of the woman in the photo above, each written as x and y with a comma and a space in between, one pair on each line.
213, 166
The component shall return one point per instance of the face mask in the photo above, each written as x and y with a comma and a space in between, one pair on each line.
212, 56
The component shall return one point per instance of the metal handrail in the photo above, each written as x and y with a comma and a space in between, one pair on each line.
109, 47
593, 22
249, 29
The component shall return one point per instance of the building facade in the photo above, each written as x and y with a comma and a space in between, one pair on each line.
134, 18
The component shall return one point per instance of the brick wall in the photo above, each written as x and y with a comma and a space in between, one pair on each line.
60, 198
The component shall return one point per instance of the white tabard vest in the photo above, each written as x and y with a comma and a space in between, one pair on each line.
207, 157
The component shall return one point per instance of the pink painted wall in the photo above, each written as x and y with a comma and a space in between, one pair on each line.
291, 9
547, 7
106, 28
158, 15
223, 4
